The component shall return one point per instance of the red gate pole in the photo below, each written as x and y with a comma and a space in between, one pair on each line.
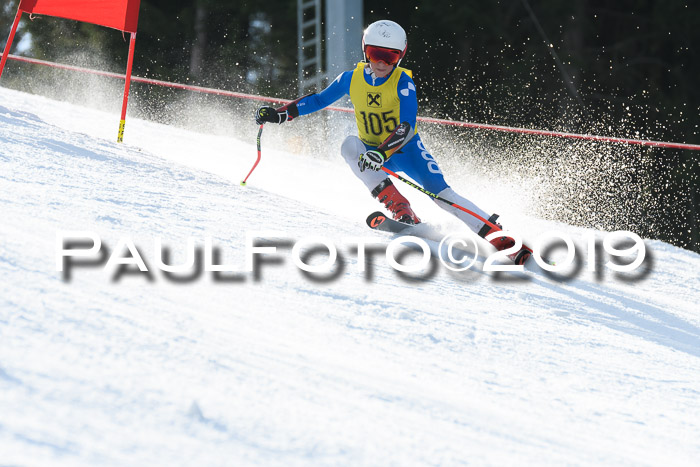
127, 83
9, 41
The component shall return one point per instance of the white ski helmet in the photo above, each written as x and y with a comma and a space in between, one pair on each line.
386, 34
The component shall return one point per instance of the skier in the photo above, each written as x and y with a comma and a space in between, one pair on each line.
383, 94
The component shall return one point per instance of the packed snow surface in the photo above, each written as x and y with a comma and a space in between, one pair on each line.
279, 367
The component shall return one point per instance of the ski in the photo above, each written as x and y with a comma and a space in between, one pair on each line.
522, 255
378, 221
504, 242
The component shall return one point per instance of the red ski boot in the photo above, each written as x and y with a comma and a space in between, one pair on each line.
394, 201
503, 243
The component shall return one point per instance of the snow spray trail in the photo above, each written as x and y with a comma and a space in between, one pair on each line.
285, 370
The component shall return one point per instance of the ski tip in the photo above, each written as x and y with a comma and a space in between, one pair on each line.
522, 256
376, 219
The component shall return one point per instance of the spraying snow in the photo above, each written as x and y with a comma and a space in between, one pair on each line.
368, 367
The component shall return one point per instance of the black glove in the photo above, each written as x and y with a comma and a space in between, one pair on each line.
373, 159
267, 114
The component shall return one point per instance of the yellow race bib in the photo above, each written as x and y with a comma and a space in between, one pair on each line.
377, 108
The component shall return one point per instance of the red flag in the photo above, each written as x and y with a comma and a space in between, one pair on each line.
117, 14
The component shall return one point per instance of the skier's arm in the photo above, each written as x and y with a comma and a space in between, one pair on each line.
408, 100
374, 159
307, 104
337, 89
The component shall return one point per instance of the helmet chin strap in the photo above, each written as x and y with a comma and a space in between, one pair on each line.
374, 76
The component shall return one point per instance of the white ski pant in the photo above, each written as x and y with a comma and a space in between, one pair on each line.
471, 221
351, 149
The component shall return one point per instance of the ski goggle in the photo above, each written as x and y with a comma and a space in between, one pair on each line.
380, 54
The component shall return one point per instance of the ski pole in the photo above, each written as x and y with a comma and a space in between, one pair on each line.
440, 198
257, 161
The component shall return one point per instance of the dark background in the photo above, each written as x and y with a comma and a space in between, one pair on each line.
626, 68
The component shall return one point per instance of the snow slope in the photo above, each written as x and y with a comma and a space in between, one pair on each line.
281, 369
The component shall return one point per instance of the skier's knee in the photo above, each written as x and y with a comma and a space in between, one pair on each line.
447, 193
351, 149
